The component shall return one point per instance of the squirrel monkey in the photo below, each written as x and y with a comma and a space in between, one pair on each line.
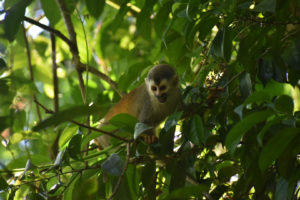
150, 103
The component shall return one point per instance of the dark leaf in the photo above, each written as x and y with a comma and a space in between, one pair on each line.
166, 139
2, 64
281, 189
188, 191
13, 19
178, 176
276, 146
217, 43
266, 6
284, 104
245, 85
140, 128
148, 179
225, 173
95, 7
114, 165
3, 184
205, 26
172, 120
236, 133
196, 132
74, 147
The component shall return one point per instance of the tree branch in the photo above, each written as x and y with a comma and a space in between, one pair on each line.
86, 126
74, 50
82, 66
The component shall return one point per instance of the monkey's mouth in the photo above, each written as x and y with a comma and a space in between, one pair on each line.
162, 98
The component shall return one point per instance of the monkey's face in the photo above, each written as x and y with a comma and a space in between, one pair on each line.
159, 90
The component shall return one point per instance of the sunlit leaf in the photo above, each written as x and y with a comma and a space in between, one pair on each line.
52, 11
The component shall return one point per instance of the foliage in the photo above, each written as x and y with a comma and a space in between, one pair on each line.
239, 66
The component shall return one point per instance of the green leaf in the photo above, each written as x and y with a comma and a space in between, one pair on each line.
114, 165
239, 129
161, 17
13, 19
141, 128
266, 6
276, 146
205, 26
3, 183
66, 135
178, 176
225, 173
148, 177
269, 124
52, 11
124, 121
188, 191
144, 23
196, 131
69, 114
217, 43
95, 7
245, 85
258, 97
166, 139
59, 159
74, 147
284, 104
281, 189
172, 120
227, 43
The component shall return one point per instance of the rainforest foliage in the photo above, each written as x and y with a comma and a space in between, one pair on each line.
63, 63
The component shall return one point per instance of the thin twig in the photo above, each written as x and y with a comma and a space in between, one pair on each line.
123, 173
54, 73
31, 71
82, 66
102, 76
74, 50
50, 29
86, 126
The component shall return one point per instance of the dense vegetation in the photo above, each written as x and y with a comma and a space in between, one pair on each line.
64, 62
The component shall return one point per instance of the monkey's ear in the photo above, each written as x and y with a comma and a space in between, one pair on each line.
175, 80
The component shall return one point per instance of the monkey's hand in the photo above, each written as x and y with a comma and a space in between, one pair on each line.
149, 138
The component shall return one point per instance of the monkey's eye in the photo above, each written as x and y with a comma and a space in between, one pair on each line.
162, 87
153, 88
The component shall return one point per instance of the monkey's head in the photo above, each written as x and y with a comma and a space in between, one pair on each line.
161, 81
